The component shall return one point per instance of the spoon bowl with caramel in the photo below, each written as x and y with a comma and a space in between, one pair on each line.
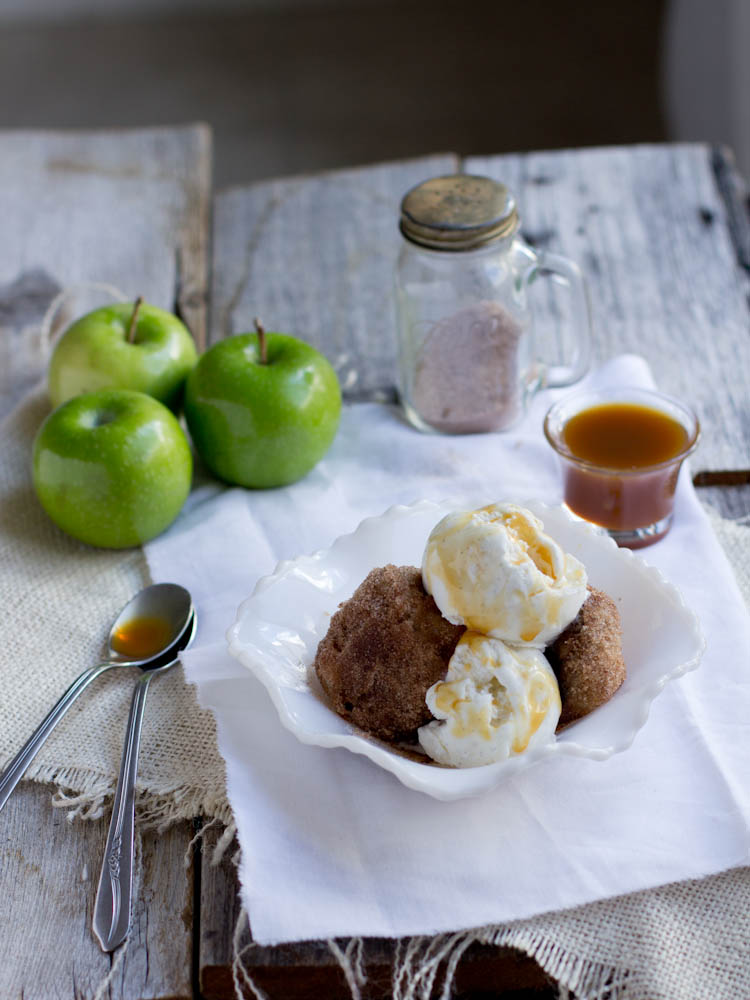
140, 634
149, 632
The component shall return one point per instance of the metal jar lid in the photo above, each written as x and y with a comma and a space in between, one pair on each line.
458, 212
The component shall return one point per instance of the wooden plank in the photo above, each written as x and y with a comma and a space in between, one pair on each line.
733, 190
124, 208
732, 502
315, 257
49, 870
659, 239
660, 242
130, 209
48, 883
158, 960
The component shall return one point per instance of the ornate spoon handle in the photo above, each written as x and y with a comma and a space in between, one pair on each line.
113, 897
17, 767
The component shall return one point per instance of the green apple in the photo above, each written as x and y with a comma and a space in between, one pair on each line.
112, 468
262, 409
123, 346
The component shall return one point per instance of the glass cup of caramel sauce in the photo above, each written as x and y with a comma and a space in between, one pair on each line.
621, 452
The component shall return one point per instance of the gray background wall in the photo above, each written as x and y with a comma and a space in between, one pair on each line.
706, 73
293, 86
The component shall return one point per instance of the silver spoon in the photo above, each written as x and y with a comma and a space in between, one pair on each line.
166, 603
113, 897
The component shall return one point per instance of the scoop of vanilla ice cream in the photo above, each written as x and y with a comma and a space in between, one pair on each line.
496, 571
496, 701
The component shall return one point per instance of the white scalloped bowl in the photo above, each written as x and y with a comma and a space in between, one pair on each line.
278, 629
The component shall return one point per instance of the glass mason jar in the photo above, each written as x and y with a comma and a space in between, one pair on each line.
466, 349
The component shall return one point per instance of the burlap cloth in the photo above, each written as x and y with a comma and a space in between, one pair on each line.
59, 597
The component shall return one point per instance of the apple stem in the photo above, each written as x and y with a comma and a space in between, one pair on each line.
262, 347
134, 319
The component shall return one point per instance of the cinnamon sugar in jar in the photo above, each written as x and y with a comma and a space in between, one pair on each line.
466, 354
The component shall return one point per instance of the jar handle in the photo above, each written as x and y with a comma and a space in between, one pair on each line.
568, 272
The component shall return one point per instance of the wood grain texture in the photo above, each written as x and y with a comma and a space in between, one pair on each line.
129, 209
736, 198
157, 963
49, 870
48, 888
126, 208
660, 242
659, 231
315, 257
730, 501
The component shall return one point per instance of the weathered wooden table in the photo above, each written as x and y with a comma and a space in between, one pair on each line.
663, 236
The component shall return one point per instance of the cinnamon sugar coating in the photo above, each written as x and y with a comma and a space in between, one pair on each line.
384, 648
587, 658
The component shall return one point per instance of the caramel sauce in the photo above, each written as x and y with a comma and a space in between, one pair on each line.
632, 445
142, 637
539, 698
624, 436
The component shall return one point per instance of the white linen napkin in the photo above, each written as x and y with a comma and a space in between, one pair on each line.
334, 846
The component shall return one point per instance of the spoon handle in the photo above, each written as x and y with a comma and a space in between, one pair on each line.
113, 897
17, 767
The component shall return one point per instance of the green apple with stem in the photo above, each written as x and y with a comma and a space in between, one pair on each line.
262, 408
123, 346
112, 468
